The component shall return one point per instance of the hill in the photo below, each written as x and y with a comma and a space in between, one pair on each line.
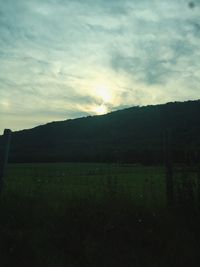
130, 135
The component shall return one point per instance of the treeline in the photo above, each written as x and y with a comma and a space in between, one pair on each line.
133, 135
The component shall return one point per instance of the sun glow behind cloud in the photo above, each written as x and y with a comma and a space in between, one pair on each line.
100, 110
104, 95
5, 104
104, 92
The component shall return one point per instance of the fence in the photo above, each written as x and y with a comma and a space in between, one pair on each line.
185, 189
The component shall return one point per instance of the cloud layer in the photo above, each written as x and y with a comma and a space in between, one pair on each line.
63, 59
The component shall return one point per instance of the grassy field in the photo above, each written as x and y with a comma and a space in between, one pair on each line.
145, 186
93, 215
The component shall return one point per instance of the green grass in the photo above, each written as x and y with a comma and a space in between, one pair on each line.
145, 186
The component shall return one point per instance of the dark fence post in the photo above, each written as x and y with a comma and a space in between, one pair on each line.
4, 157
198, 187
169, 167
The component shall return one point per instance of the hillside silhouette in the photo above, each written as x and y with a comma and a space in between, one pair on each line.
131, 135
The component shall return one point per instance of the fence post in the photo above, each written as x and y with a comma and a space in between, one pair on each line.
4, 157
168, 167
198, 186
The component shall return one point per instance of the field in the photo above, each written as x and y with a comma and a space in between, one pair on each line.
79, 214
145, 186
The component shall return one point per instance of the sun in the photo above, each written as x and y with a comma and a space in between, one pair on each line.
103, 96
102, 91
100, 110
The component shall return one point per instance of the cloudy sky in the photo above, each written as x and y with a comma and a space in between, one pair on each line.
63, 59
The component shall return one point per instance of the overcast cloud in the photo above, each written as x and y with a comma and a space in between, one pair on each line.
63, 59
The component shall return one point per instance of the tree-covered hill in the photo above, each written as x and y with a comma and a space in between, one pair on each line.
130, 135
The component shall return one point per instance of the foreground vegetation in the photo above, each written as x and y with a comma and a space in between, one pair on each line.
93, 215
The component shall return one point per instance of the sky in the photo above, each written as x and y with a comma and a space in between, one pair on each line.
63, 59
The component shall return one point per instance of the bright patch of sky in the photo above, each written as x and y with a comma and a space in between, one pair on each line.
63, 59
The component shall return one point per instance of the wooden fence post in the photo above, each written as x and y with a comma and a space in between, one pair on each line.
4, 157
169, 167
198, 187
